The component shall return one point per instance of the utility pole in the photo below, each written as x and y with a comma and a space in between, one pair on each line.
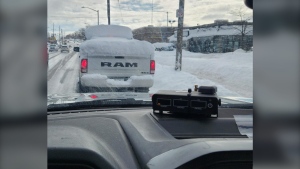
167, 19
58, 32
53, 30
108, 11
62, 37
98, 16
180, 15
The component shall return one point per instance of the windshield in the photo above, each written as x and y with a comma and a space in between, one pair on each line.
146, 46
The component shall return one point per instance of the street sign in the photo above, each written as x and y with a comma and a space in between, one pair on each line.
179, 13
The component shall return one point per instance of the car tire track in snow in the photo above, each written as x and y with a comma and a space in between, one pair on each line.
64, 76
53, 53
64, 80
59, 65
54, 56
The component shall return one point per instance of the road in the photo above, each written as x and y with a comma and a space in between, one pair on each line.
63, 72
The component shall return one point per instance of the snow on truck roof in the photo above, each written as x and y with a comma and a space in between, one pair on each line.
108, 31
113, 40
108, 46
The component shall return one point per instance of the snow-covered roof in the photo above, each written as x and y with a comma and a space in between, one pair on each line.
213, 31
101, 46
108, 31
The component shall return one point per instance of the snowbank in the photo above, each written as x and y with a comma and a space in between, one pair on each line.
162, 45
116, 47
166, 78
108, 31
239, 51
231, 72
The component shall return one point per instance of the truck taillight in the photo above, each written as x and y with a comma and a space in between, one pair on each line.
84, 65
152, 66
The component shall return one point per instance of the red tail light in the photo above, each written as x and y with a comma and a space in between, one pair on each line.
84, 65
94, 96
152, 66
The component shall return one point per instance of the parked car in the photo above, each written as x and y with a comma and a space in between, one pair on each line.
169, 48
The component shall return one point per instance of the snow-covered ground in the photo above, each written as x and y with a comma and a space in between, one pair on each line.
231, 72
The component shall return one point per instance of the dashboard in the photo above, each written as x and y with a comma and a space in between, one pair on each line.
130, 138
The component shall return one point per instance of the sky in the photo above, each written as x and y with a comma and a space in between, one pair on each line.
70, 16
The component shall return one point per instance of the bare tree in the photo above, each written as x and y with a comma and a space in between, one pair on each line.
243, 23
81, 33
87, 25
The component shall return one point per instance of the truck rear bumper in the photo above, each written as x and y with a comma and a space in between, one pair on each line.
97, 80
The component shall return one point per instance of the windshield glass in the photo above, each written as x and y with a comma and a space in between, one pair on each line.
144, 46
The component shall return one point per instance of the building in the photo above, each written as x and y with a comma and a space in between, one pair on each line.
221, 21
153, 34
220, 37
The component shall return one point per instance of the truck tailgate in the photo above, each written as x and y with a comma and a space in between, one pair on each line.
117, 57
119, 66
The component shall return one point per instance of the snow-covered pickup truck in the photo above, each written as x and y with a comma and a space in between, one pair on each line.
111, 60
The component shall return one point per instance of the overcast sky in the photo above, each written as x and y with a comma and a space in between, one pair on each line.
136, 13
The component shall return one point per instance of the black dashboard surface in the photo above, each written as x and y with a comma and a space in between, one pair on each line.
136, 138
194, 127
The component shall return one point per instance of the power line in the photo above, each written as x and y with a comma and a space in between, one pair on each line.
63, 17
152, 14
120, 11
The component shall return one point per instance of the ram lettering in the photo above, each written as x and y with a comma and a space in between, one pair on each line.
118, 64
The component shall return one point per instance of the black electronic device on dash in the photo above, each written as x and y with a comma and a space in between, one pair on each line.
202, 101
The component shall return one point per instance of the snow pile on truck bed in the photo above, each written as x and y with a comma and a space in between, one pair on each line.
116, 47
108, 31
